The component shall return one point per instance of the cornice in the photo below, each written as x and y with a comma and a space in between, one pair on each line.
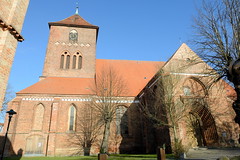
12, 30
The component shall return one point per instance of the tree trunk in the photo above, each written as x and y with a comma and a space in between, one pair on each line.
106, 134
175, 134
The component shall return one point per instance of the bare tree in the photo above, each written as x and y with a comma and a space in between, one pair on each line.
109, 88
9, 95
88, 129
217, 38
161, 106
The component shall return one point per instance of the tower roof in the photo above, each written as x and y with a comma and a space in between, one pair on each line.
73, 21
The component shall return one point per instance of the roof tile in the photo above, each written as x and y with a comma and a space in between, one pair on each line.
136, 75
74, 20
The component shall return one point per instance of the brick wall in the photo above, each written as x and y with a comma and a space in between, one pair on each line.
12, 12
59, 43
57, 139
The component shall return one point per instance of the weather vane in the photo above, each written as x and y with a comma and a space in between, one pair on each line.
76, 8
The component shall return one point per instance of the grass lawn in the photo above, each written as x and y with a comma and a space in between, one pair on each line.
111, 157
235, 158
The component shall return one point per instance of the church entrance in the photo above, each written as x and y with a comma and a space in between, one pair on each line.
34, 146
203, 126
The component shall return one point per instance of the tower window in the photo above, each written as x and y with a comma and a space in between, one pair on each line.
65, 61
62, 61
79, 62
68, 62
74, 62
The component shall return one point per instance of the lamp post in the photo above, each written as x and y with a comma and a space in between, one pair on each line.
10, 114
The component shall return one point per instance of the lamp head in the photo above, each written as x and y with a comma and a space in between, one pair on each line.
11, 112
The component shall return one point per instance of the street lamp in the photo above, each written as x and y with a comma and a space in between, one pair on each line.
10, 114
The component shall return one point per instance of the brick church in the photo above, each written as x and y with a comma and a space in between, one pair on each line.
47, 111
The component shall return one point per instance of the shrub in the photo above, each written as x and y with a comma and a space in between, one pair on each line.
178, 149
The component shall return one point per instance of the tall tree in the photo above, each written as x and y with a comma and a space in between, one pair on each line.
109, 88
162, 107
217, 39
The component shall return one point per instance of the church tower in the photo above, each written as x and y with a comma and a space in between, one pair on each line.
71, 50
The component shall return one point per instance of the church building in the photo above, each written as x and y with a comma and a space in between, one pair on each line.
48, 111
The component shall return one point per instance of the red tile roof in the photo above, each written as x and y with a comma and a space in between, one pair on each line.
73, 21
136, 75
60, 85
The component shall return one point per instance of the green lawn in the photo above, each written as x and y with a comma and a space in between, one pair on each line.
236, 158
111, 157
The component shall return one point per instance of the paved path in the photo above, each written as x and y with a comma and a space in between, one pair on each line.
211, 154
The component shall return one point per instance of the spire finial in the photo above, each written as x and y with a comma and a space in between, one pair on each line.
76, 8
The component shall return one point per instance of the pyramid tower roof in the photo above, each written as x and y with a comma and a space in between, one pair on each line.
74, 21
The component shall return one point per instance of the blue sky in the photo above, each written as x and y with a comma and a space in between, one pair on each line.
150, 30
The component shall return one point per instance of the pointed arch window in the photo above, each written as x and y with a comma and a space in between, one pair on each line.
38, 117
62, 61
77, 61
72, 118
68, 62
65, 61
74, 62
80, 62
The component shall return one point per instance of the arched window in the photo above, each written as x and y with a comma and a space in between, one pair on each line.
73, 36
68, 62
80, 62
74, 62
72, 117
38, 117
62, 61
65, 61
121, 120
77, 61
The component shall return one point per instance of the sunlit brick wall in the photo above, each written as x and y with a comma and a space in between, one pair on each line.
12, 12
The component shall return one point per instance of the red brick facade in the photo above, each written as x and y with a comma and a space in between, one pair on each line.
47, 120
12, 14
208, 105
